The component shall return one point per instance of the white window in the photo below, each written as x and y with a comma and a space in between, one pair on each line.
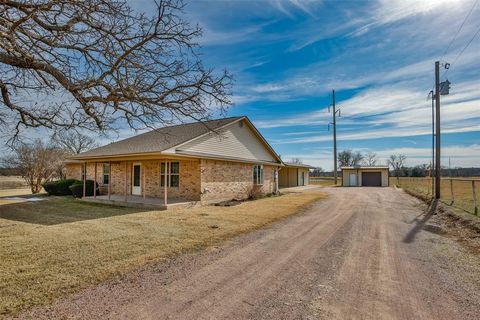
257, 174
173, 174
106, 173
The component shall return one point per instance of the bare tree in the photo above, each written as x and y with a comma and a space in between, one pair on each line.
357, 159
348, 158
296, 161
397, 162
96, 63
316, 172
370, 159
345, 158
74, 142
37, 162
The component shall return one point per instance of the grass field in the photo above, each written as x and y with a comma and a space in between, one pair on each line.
58, 246
462, 190
324, 181
12, 182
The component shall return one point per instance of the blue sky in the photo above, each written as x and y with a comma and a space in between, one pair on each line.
379, 56
287, 56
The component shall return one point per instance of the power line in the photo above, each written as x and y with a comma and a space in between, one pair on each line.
459, 29
468, 44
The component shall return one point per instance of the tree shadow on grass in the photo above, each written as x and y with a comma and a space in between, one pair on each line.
58, 210
421, 223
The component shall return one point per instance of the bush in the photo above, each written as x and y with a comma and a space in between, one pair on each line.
50, 187
77, 188
255, 193
60, 187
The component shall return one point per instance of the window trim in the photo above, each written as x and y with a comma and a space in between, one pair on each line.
169, 174
106, 174
258, 174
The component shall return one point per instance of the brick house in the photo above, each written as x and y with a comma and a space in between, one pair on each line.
212, 161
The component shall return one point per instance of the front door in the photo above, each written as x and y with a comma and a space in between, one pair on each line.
353, 180
136, 179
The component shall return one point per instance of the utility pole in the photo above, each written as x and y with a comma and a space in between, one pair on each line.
437, 136
433, 143
440, 89
334, 123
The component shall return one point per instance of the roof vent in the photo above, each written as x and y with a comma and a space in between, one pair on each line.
240, 124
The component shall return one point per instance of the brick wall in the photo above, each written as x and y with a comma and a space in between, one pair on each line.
225, 180
189, 186
73, 171
205, 180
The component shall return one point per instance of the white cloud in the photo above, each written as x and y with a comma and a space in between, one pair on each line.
390, 11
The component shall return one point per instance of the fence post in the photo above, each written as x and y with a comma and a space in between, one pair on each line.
451, 190
474, 198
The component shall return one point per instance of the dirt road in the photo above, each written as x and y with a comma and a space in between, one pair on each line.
364, 253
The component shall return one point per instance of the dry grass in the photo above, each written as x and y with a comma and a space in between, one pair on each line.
16, 192
324, 181
462, 190
11, 182
59, 246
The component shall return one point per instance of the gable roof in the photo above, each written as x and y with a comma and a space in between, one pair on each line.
165, 138
157, 140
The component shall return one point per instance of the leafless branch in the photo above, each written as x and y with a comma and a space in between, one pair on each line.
95, 64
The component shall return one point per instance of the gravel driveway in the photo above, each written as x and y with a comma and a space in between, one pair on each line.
364, 253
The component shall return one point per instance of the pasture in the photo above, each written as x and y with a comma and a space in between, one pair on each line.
457, 192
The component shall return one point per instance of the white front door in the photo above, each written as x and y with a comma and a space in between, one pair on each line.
353, 180
136, 179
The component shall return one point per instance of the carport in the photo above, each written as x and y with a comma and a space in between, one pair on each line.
365, 176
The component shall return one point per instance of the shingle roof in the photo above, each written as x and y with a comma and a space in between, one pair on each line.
157, 140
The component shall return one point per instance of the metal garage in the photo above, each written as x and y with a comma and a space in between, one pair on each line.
365, 176
293, 175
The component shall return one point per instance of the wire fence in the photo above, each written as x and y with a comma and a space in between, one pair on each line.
458, 192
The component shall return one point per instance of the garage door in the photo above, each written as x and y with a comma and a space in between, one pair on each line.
371, 179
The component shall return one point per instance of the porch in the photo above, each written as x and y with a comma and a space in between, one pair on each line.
154, 183
140, 201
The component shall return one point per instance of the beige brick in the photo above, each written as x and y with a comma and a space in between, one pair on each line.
205, 180
226, 180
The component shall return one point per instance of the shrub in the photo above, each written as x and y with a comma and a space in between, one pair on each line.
50, 187
63, 186
60, 187
77, 188
255, 193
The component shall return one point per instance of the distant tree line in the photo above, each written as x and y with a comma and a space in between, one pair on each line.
396, 162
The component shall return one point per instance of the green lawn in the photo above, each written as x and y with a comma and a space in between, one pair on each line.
59, 246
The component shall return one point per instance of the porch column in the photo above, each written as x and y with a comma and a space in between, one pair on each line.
276, 179
144, 169
165, 195
84, 179
95, 183
110, 180
125, 189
